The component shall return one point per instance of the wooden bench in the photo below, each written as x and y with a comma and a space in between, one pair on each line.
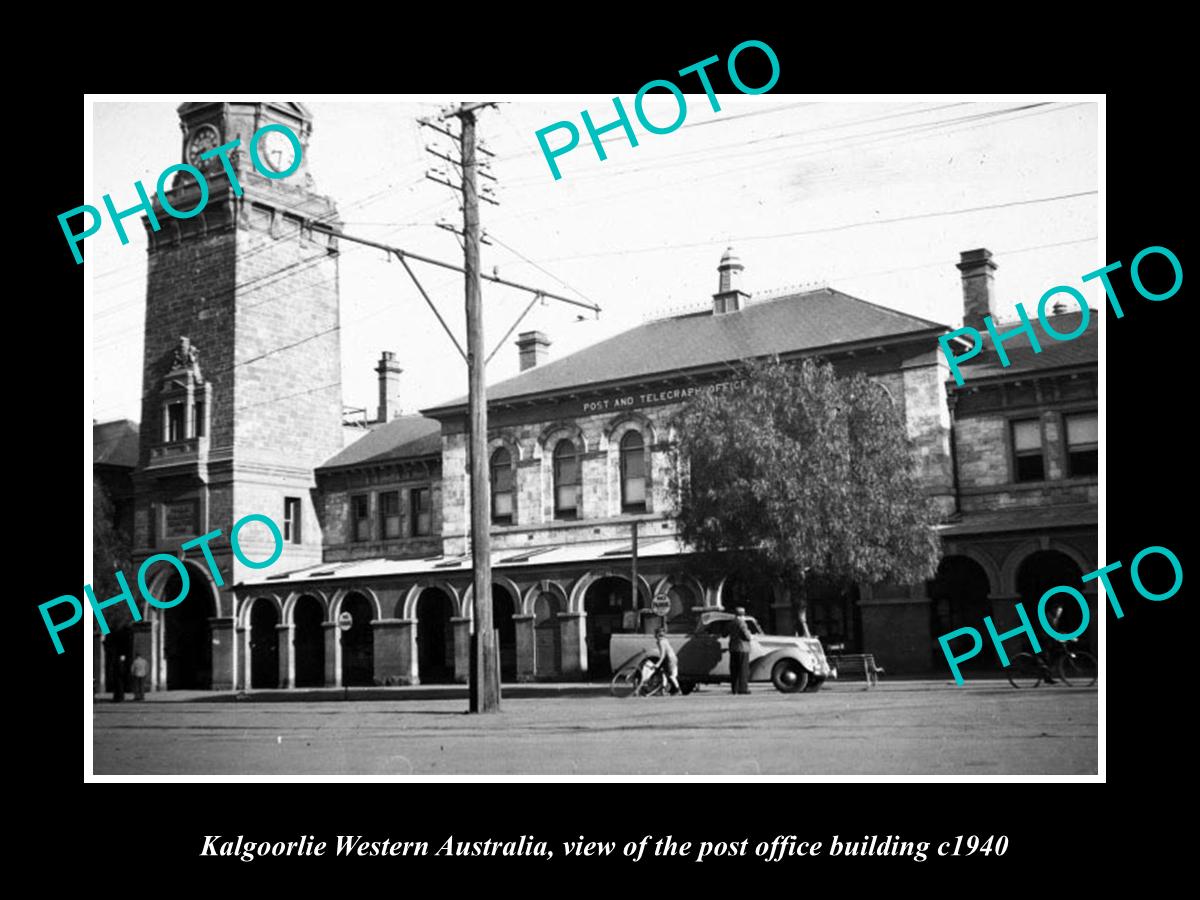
851, 664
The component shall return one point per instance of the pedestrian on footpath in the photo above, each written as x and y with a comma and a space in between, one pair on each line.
139, 670
118, 690
740, 642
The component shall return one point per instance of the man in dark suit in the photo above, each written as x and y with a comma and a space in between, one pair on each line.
740, 640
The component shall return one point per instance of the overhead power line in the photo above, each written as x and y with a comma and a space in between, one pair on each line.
827, 230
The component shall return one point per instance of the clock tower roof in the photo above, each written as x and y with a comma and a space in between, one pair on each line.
299, 110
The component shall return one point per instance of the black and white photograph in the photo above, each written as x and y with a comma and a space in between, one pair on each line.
535, 438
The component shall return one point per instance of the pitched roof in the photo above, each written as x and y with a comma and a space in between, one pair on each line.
1080, 351
115, 443
405, 437
804, 321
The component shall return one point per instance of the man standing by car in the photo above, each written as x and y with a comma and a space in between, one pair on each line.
740, 640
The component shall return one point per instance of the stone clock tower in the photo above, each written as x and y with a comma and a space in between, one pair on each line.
241, 393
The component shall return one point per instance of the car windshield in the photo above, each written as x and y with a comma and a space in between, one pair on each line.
753, 626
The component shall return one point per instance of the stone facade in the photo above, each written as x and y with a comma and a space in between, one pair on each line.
242, 413
241, 314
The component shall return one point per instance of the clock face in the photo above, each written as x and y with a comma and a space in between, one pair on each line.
201, 140
276, 151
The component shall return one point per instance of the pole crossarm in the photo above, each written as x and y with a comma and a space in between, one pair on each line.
450, 134
406, 254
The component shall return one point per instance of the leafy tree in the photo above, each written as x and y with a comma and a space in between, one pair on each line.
795, 472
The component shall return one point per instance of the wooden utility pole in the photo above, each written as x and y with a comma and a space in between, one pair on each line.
485, 682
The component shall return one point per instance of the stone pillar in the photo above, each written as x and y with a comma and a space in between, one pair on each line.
407, 644
243, 662
393, 656
143, 643
895, 623
574, 648
224, 653
525, 644
462, 649
333, 654
284, 636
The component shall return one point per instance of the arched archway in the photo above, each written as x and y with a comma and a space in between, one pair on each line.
547, 636
435, 636
504, 605
752, 592
958, 598
609, 607
185, 632
1038, 573
506, 597
358, 641
683, 594
308, 640
264, 644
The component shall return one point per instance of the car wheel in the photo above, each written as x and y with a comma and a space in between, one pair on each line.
686, 687
789, 676
814, 684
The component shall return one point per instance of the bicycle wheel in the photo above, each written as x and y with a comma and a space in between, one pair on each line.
1024, 671
653, 685
625, 682
1078, 669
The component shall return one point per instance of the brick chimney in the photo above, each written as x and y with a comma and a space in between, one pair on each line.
534, 348
729, 296
979, 286
389, 386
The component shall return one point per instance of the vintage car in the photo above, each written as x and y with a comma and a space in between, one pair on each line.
792, 664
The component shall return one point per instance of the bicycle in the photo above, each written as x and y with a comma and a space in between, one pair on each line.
1073, 667
643, 679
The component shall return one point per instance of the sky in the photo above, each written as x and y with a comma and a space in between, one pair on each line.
876, 199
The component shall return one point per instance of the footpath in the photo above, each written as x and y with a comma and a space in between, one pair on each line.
527, 690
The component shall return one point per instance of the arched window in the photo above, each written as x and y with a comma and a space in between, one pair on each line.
502, 487
633, 473
566, 480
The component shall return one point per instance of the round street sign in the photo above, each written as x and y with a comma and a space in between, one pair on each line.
660, 605
345, 620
